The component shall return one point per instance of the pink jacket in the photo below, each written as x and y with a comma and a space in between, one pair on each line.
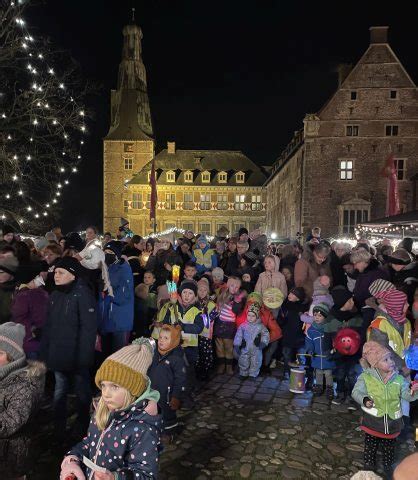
271, 279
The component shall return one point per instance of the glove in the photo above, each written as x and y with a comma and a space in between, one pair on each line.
70, 467
174, 403
257, 340
243, 343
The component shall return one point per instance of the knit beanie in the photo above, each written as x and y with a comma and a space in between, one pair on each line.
340, 296
115, 246
70, 264
188, 285
175, 337
380, 285
218, 273
9, 265
202, 239
373, 352
254, 308
299, 292
241, 231
400, 257
128, 367
322, 308
11, 340
7, 229
394, 302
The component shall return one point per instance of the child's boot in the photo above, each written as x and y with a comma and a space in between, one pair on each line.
220, 370
229, 368
317, 390
329, 391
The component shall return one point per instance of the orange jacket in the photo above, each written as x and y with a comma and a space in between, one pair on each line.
268, 321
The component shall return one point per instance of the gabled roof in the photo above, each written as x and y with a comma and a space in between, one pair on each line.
198, 161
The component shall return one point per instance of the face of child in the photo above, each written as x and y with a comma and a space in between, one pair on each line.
386, 364
113, 395
269, 264
188, 297
318, 317
190, 272
164, 340
233, 286
232, 247
149, 278
202, 245
62, 276
202, 291
3, 358
251, 317
287, 274
292, 297
217, 280
246, 277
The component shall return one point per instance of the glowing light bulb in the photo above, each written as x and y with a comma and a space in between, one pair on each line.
9, 137
15, 157
14, 178
3, 216
59, 185
54, 122
35, 122
47, 205
36, 215
51, 71
74, 169
82, 142
83, 128
3, 115
45, 214
62, 169
29, 209
20, 192
40, 55
24, 45
66, 182
61, 86
21, 220
79, 156
82, 113
54, 201
28, 157
7, 196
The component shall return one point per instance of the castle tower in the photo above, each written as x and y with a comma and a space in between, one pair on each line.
129, 144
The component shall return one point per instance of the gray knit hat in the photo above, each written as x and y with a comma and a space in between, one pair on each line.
9, 265
11, 340
380, 285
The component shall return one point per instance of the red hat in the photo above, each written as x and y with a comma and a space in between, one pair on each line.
347, 341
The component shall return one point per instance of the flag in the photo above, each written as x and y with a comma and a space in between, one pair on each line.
392, 192
153, 185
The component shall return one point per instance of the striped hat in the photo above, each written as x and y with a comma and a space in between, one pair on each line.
380, 285
394, 302
128, 367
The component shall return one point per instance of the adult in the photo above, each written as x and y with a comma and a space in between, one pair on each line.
404, 273
8, 235
184, 250
313, 264
165, 258
243, 236
116, 306
58, 233
68, 343
338, 249
52, 255
233, 265
288, 257
133, 251
407, 243
221, 253
8, 269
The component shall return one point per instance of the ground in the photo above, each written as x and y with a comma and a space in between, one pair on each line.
258, 430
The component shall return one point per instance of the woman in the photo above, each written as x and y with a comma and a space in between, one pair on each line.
221, 254
133, 252
52, 255
165, 258
404, 273
313, 264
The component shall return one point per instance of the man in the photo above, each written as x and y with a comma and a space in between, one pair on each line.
8, 235
234, 260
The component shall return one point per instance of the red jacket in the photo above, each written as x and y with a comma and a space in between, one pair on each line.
268, 321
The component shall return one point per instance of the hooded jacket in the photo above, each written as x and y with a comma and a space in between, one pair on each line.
248, 332
272, 279
319, 344
307, 271
275, 332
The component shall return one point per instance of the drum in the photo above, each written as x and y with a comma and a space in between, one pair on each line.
297, 380
273, 297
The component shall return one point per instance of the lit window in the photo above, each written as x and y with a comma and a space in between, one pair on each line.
240, 177
137, 200
392, 130
128, 163
205, 177
188, 203
188, 226
351, 130
255, 202
346, 170
188, 177
170, 201
222, 201
125, 205
205, 201
171, 176
222, 177
204, 228
239, 202
400, 165
148, 203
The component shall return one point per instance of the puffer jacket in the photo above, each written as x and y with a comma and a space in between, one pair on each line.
20, 393
319, 344
248, 332
267, 319
129, 445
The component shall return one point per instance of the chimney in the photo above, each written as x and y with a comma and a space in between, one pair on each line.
343, 70
171, 147
378, 35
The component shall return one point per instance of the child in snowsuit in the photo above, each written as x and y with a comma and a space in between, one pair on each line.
204, 256
318, 343
122, 434
379, 390
167, 373
250, 340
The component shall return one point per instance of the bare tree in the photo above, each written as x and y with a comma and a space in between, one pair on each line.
42, 122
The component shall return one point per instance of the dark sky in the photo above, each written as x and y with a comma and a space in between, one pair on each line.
222, 74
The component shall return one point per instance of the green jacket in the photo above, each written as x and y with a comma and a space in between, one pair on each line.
386, 414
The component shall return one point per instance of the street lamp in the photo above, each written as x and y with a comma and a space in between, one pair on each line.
273, 235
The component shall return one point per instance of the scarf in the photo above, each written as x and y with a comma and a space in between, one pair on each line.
14, 366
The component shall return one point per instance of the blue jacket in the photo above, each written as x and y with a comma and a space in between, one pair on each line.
202, 268
129, 445
116, 314
319, 343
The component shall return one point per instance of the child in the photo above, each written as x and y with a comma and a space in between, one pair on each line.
168, 376
320, 295
231, 302
319, 345
190, 271
250, 340
218, 280
204, 256
271, 277
149, 281
379, 390
122, 436
145, 308
207, 306
247, 272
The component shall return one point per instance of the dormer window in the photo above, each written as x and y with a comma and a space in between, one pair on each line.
240, 177
205, 177
188, 176
222, 177
171, 176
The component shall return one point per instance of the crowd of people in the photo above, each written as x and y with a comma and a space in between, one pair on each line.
144, 323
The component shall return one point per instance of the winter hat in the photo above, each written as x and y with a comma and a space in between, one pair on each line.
115, 246
241, 231
373, 352
345, 259
394, 302
254, 308
202, 239
9, 265
407, 243
299, 292
70, 264
250, 258
128, 367
175, 337
41, 243
323, 308
51, 237
7, 229
11, 340
188, 285
400, 257
74, 241
218, 273
380, 285
319, 289
340, 296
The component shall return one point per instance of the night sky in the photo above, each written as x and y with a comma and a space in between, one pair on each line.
226, 74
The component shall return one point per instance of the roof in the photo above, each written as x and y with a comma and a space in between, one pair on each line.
197, 161
407, 218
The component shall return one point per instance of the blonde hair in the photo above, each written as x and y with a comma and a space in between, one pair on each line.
360, 255
224, 295
103, 413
